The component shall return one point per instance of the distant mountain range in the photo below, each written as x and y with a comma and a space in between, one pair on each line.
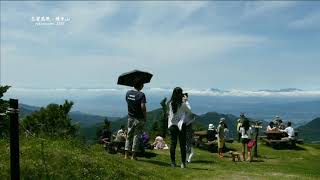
89, 123
282, 90
310, 132
78, 117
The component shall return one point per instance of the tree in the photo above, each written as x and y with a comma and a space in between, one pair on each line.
106, 125
155, 127
4, 120
52, 120
164, 119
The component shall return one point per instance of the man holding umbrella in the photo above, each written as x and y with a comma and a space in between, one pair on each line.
137, 111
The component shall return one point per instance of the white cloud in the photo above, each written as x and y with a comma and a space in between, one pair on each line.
183, 46
255, 8
164, 14
86, 16
78, 92
311, 20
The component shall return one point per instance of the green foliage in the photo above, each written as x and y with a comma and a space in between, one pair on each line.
99, 129
164, 118
4, 120
52, 120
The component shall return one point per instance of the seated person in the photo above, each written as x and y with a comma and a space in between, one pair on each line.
105, 137
121, 134
119, 141
159, 143
211, 133
271, 127
282, 126
145, 141
289, 130
277, 121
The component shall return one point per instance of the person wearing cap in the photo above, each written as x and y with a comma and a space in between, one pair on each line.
277, 121
211, 133
220, 136
239, 124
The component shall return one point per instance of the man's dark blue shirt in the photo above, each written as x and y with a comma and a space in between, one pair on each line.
134, 100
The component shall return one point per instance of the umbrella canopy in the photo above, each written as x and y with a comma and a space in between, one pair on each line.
128, 78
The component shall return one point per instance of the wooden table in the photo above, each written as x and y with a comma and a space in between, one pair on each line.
203, 134
275, 135
199, 135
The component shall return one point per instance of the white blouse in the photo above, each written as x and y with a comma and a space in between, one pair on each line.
244, 134
179, 117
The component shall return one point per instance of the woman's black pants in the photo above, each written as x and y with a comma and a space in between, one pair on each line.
175, 133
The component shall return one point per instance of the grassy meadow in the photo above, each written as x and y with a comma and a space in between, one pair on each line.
71, 159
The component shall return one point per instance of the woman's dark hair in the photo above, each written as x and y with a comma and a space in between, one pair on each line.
176, 99
271, 124
225, 125
246, 124
289, 124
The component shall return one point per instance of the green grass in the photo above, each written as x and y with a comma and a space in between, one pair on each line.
70, 159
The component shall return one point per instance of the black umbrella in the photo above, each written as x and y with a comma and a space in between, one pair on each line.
128, 78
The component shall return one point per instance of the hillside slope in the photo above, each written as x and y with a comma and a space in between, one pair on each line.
69, 159
311, 131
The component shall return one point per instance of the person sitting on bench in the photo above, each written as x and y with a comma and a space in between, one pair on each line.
106, 134
211, 133
271, 127
289, 130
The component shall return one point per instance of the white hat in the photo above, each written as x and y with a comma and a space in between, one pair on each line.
211, 126
221, 120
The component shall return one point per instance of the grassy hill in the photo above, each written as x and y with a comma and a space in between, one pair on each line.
70, 159
311, 131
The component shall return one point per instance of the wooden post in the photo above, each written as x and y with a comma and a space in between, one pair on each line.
14, 139
256, 149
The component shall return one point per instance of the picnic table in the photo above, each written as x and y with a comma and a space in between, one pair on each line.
275, 135
199, 135
277, 138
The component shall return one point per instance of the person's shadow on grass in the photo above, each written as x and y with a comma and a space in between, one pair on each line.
147, 155
159, 163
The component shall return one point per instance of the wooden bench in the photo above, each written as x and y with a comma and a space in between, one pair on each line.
262, 137
277, 138
278, 142
199, 135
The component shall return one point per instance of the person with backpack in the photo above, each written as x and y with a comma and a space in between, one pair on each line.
178, 108
246, 134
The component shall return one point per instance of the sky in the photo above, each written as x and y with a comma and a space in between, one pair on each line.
246, 45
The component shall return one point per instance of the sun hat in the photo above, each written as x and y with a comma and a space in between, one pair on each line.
211, 126
221, 120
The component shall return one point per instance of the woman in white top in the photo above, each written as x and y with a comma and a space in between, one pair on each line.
246, 133
178, 108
